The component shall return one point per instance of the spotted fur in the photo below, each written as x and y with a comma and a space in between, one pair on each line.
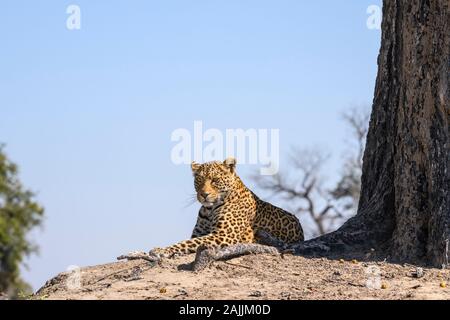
231, 213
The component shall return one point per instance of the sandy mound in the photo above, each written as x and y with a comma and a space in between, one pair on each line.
250, 277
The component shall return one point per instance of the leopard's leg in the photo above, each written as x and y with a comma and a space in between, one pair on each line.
248, 236
228, 226
212, 240
203, 225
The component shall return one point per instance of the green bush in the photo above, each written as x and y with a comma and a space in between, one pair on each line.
19, 213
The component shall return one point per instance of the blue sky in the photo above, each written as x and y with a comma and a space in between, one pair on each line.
88, 114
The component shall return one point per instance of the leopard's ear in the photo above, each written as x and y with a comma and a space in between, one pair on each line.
195, 167
230, 163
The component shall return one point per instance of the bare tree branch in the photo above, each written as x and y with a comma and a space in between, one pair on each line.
325, 208
205, 256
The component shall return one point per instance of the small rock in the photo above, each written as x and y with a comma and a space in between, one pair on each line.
182, 292
443, 284
256, 294
418, 273
286, 295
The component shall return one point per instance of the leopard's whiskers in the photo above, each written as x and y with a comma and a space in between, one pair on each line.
190, 201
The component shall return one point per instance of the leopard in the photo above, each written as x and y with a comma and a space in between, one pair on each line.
231, 213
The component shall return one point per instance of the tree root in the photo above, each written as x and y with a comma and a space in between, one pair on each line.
346, 241
139, 255
353, 239
206, 255
267, 239
266, 244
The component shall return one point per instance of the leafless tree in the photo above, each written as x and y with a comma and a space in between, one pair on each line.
346, 192
404, 208
322, 208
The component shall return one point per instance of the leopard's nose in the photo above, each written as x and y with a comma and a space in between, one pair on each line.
205, 194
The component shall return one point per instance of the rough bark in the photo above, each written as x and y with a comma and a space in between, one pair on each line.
404, 206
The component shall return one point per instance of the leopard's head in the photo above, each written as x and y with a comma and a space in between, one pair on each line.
214, 180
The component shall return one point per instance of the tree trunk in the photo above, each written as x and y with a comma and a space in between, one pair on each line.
404, 208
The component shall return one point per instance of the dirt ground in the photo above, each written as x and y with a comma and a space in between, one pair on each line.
250, 277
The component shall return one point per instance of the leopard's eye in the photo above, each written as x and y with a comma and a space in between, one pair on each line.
198, 180
215, 180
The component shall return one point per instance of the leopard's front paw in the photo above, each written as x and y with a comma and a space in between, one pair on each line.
160, 253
